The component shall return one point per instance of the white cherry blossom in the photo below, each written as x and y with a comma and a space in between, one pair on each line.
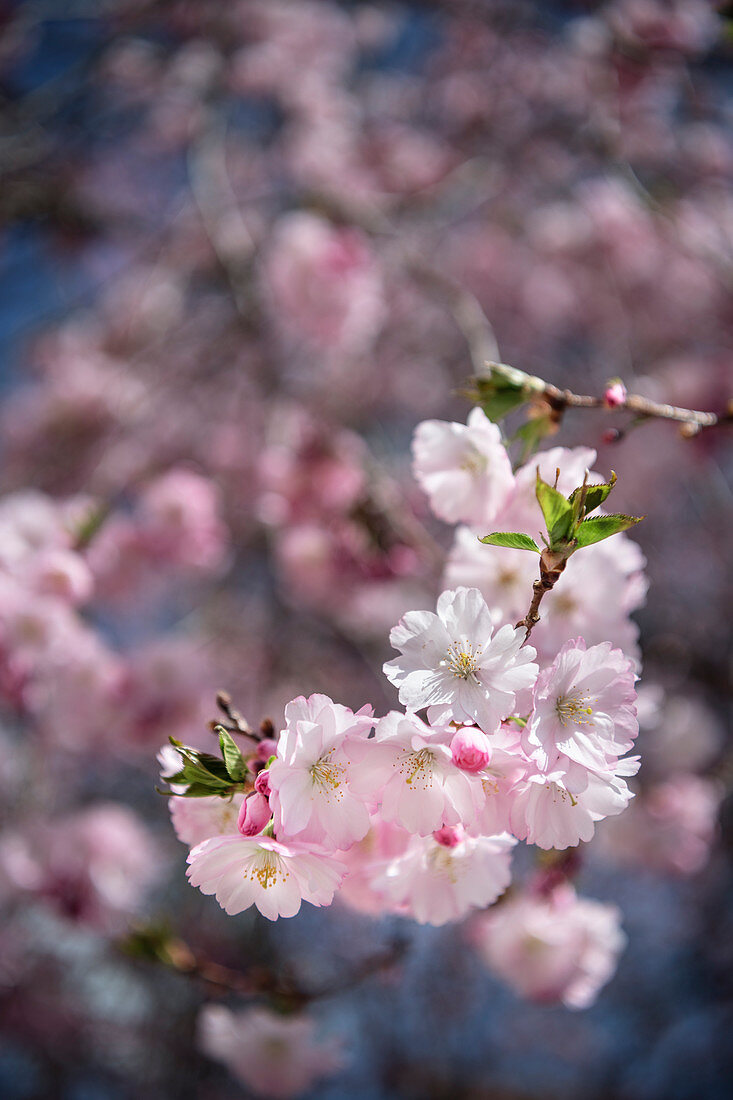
584, 714
454, 664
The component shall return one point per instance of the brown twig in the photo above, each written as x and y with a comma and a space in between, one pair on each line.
552, 564
237, 722
692, 420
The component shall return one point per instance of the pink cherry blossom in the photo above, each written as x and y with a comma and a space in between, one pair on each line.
366, 860
275, 1056
93, 866
435, 882
310, 790
454, 664
408, 770
179, 520
545, 812
464, 468
500, 779
242, 871
323, 282
64, 574
584, 710
557, 948
669, 826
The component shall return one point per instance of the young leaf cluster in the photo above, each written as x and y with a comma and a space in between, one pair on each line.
568, 521
203, 774
504, 389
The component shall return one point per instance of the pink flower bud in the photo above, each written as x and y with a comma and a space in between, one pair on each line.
262, 783
254, 814
470, 749
611, 435
448, 836
615, 394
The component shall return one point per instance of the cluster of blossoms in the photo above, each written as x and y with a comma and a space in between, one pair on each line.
63, 565
312, 208
466, 474
502, 754
417, 812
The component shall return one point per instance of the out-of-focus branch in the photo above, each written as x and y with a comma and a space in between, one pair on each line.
225, 226
465, 309
157, 945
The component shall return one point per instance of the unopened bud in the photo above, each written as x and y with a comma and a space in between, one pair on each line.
262, 783
611, 435
470, 749
615, 394
449, 836
254, 814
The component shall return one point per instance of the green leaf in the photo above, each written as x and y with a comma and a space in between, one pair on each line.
498, 403
594, 494
602, 527
201, 768
204, 790
558, 512
514, 540
504, 389
233, 758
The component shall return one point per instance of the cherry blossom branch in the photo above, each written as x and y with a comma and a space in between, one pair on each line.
692, 420
236, 722
552, 565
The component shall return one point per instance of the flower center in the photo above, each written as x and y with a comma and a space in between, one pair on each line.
441, 862
419, 767
462, 660
573, 709
267, 867
474, 463
564, 795
326, 775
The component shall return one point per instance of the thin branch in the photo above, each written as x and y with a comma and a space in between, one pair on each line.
552, 564
237, 722
692, 420
465, 309
532, 617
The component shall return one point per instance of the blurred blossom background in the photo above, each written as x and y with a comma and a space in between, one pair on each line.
245, 248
